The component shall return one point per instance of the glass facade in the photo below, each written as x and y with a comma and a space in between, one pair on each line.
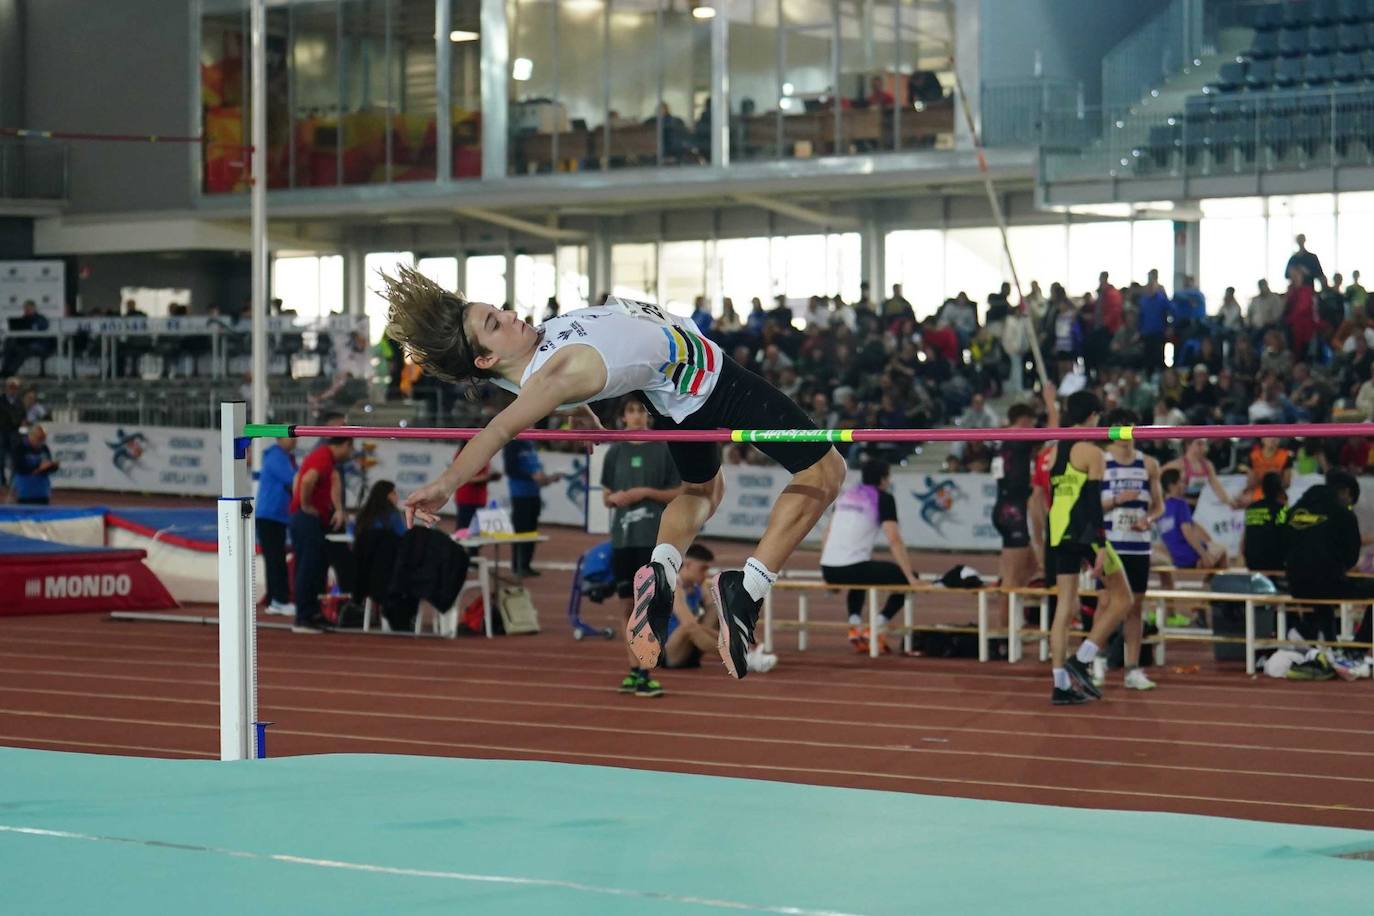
355, 87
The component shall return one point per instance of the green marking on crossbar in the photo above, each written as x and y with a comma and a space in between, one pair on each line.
266, 430
1121, 433
792, 435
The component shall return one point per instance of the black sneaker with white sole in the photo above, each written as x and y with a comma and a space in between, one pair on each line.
1082, 675
738, 613
1068, 697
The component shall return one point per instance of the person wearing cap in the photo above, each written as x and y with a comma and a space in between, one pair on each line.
1323, 545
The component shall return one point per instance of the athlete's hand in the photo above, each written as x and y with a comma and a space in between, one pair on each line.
424, 504
1126, 496
913, 579
1099, 561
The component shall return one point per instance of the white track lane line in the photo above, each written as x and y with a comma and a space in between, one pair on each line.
1117, 717
512, 880
661, 709
704, 737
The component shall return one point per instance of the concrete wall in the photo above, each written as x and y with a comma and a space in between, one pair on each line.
118, 67
16, 238
1071, 37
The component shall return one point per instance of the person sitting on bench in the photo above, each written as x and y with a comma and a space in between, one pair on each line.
1190, 547
1264, 543
1323, 545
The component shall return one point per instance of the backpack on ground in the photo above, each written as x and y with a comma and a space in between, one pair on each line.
516, 613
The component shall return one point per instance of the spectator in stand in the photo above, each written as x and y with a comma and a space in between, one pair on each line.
1264, 542
1134, 394
1354, 455
1266, 309
1364, 400
1308, 262
1110, 305
1128, 347
1189, 309
1323, 545
34, 410
1016, 341
1272, 406
1356, 296
33, 466
897, 306
1268, 457
19, 349
1275, 358
313, 513
1154, 321
1300, 311
1196, 470
999, 308
1245, 363
941, 338
1311, 397
701, 315
271, 518
352, 372
1067, 330
1331, 304
1201, 399
1189, 545
1034, 305
1230, 318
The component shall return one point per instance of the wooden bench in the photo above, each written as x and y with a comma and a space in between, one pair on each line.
805, 587
1017, 635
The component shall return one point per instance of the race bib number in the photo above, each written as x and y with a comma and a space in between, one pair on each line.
1124, 520
646, 311
998, 468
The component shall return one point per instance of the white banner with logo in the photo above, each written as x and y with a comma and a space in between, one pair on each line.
44, 283
936, 511
1227, 525
139, 459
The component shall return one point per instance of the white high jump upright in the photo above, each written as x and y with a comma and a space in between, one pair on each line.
238, 649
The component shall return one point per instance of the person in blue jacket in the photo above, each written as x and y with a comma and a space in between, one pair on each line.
33, 466
525, 476
272, 518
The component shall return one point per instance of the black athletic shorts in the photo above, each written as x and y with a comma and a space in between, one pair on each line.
1071, 558
1009, 518
740, 400
625, 562
1137, 566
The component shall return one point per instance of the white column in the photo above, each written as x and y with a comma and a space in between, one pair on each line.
443, 89
258, 61
966, 18
720, 88
495, 88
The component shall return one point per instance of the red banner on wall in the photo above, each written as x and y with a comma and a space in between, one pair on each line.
55, 583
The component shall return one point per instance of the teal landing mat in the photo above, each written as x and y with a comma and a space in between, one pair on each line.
399, 835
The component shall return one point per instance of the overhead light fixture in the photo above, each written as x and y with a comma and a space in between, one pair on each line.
703, 12
460, 35
787, 88
522, 69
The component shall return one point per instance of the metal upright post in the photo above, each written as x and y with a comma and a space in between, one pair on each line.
238, 698
443, 90
259, 210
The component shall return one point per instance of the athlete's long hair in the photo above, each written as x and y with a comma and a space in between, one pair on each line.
428, 321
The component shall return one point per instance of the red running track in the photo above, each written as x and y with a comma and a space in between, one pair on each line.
1209, 741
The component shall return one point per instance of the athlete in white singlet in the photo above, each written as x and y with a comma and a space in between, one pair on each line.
625, 348
1131, 501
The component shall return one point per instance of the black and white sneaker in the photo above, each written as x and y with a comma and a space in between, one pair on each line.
1068, 697
738, 613
1082, 676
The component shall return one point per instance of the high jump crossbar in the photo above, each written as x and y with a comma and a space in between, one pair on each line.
239, 736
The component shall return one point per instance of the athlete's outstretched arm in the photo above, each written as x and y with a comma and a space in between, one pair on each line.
573, 375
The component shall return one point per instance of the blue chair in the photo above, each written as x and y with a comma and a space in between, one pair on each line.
1259, 76
1352, 37
1352, 11
1265, 46
1321, 40
1297, 15
1318, 71
1324, 12
1292, 42
1231, 76
1288, 72
592, 579
1348, 68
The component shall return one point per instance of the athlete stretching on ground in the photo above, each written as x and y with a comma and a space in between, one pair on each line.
594, 354
1078, 541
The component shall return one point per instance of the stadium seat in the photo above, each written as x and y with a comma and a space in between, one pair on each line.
1323, 12
1317, 71
1164, 141
1231, 76
1321, 40
1348, 68
1297, 14
1265, 46
1260, 74
1352, 11
1269, 17
1288, 72
1292, 42
1351, 37
1233, 132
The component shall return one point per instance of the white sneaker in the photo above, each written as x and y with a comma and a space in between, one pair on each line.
1136, 680
282, 610
759, 661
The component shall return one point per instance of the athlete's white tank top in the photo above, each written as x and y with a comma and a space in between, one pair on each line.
1121, 521
644, 347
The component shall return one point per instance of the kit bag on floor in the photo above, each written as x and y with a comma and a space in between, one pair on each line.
516, 611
